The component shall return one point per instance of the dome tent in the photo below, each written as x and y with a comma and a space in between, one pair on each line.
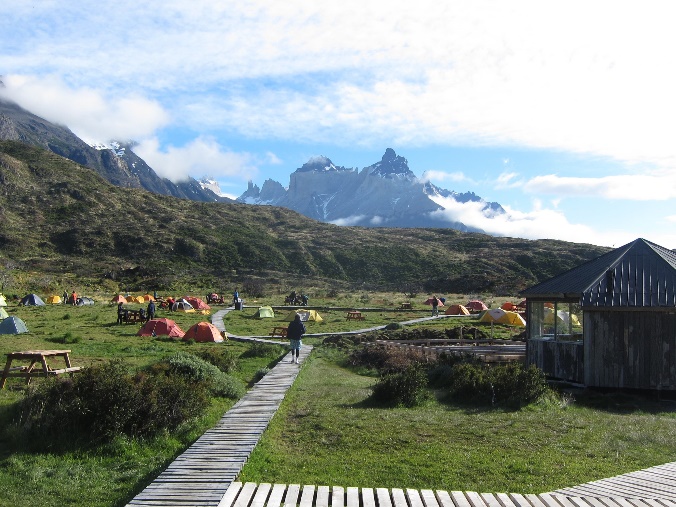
457, 310
161, 327
54, 300
13, 325
182, 306
3, 301
203, 332
3, 313
265, 312
119, 299
500, 316
32, 300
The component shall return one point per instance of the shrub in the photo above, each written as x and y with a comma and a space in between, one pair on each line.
258, 349
386, 359
104, 402
406, 388
224, 359
198, 370
260, 373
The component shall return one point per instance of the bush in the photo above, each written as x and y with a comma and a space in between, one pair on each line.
260, 373
510, 385
224, 359
406, 388
198, 370
104, 402
386, 359
258, 349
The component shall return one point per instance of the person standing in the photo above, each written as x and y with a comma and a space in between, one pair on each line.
73, 297
235, 296
435, 306
151, 310
295, 333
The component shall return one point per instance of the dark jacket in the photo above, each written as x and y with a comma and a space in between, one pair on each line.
296, 329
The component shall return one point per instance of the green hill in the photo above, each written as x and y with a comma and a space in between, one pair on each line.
62, 223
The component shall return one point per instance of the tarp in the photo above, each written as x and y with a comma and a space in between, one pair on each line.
197, 303
135, 299
476, 306
13, 325
32, 300
182, 306
203, 332
119, 299
265, 312
457, 310
430, 300
54, 300
3, 314
3, 301
161, 327
500, 316
305, 315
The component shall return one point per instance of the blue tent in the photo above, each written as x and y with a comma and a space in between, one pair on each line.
32, 300
13, 325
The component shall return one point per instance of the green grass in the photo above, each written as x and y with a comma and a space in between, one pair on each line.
327, 433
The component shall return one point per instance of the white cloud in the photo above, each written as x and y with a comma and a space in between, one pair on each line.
90, 114
443, 176
202, 156
670, 218
347, 221
643, 187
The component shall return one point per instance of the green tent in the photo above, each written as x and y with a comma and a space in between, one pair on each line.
265, 312
13, 325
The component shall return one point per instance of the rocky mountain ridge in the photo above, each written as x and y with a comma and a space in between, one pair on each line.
384, 194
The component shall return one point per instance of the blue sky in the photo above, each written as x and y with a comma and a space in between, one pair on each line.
562, 112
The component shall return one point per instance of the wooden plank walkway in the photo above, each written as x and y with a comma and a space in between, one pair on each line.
657, 482
282, 495
202, 474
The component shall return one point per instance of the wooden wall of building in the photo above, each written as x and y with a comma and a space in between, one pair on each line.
561, 360
630, 348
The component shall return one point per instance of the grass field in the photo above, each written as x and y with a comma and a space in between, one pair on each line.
326, 431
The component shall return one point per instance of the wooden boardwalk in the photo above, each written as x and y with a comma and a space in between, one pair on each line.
655, 482
202, 474
282, 495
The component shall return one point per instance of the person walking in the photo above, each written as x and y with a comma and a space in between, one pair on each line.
435, 306
295, 333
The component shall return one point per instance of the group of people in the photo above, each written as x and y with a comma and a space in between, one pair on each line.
72, 300
146, 315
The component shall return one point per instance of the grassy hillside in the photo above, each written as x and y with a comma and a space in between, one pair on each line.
63, 224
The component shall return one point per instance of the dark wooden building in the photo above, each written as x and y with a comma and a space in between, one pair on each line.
610, 322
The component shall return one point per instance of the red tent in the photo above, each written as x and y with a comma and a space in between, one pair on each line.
161, 327
197, 303
476, 306
203, 332
429, 302
508, 306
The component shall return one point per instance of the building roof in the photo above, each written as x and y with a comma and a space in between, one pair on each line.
638, 274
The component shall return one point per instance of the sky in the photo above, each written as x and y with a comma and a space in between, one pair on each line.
562, 112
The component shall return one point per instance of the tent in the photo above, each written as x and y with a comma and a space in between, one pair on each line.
119, 299
161, 327
457, 310
13, 325
305, 315
203, 332
182, 306
265, 312
476, 306
135, 299
563, 318
3, 301
3, 314
148, 297
197, 303
54, 300
84, 301
429, 301
500, 316
32, 300
508, 306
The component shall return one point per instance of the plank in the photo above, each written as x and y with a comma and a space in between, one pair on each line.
323, 496
352, 497
414, 498
444, 499
383, 495
230, 495
291, 497
429, 499
245, 495
367, 497
276, 496
308, 496
398, 498
337, 497
261, 495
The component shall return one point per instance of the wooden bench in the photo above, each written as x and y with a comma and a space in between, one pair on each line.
406, 306
279, 331
354, 315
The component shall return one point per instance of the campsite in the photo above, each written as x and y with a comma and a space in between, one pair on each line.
94, 337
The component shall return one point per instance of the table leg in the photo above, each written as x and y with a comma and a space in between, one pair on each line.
5, 372
67, 359
29, 372
45, 366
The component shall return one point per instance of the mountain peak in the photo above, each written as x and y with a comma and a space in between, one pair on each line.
319, 164
391, 166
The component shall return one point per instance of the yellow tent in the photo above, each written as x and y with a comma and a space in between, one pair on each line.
54, 300
563, 318
135, 299
305, 315
500, 316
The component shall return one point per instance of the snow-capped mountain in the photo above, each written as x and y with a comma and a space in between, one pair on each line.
385, 194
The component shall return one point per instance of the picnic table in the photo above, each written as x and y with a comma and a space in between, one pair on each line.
279, 331
354, 315
406, 306
37, 358
132, 316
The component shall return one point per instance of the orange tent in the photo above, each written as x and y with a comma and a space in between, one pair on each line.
203, 332
148, 297
508, 306
161, 327
476, 306
457, 310
119, 299
197, 303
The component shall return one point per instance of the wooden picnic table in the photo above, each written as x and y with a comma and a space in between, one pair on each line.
406, 306
354, 315
39, 358
279, 331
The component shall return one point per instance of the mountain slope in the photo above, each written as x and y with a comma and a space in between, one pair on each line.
385, 194
120, 166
